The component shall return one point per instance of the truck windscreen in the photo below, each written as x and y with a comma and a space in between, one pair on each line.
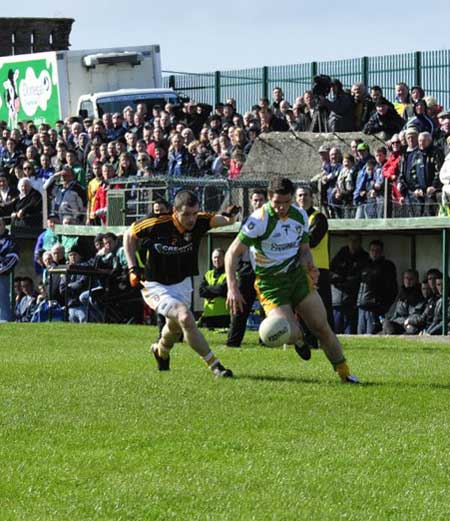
113, 104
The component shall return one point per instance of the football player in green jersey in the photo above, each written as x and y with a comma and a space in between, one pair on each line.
277, 236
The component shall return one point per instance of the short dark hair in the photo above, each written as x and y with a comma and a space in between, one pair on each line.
411, 271
259, 191
308, 188
377, 242
110, 235
381, 150
281, 185
185, 198
161, 200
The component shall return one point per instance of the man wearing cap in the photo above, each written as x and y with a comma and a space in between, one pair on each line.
384, 119
324, 153
360, 191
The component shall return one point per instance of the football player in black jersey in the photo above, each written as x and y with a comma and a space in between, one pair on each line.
171, 244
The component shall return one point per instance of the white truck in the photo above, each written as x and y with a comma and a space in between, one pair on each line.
48, 86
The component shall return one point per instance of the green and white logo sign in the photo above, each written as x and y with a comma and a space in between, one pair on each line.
29, 90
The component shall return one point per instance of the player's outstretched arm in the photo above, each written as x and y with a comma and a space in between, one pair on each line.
227, 217
235, 300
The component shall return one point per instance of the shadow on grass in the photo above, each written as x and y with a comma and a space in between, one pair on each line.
286, 379
419, 349
315, 381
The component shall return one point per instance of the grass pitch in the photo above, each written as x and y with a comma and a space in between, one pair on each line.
89, 430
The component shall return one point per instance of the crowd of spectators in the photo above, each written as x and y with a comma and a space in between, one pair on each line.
75, 164
366, 299
74, 161
365, 296
80, 280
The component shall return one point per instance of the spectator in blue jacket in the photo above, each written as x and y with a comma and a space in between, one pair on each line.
180, 161
8, 259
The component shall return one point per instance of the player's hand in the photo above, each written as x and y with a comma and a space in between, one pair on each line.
235, 301
134, 277
231, 211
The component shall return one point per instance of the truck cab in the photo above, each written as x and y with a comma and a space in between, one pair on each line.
96, 104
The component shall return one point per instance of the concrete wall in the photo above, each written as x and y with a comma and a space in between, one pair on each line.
295, 154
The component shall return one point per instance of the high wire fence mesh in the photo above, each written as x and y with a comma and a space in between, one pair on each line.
429, 69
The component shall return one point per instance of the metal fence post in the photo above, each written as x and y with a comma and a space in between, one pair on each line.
217, 86
265, 81
445, 287
45, 197
12, 296
313, 70
386, 196
417, 68
365, 70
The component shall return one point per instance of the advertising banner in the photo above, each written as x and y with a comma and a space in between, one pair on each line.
29, 89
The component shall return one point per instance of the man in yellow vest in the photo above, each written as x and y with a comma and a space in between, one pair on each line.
318, 243
214, 290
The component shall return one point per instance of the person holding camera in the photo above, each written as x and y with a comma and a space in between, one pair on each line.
340, 108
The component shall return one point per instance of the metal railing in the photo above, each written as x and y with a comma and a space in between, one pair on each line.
130, 199
133, 199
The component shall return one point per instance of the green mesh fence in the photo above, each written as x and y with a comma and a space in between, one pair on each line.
430, 69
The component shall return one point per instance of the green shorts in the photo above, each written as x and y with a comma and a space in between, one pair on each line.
285, 288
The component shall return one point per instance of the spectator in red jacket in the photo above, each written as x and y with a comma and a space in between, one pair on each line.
391, 171
99, 208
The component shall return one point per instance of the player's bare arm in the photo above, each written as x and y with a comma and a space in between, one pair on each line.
129, 246
306, 260
235, 300
226, 218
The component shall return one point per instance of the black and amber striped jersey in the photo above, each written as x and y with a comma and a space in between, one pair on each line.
170, 251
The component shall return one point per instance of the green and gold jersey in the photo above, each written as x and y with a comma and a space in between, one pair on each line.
274, 243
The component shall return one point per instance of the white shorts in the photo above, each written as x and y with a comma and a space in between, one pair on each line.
161, 298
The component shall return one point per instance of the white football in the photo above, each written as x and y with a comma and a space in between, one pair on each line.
274, 331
